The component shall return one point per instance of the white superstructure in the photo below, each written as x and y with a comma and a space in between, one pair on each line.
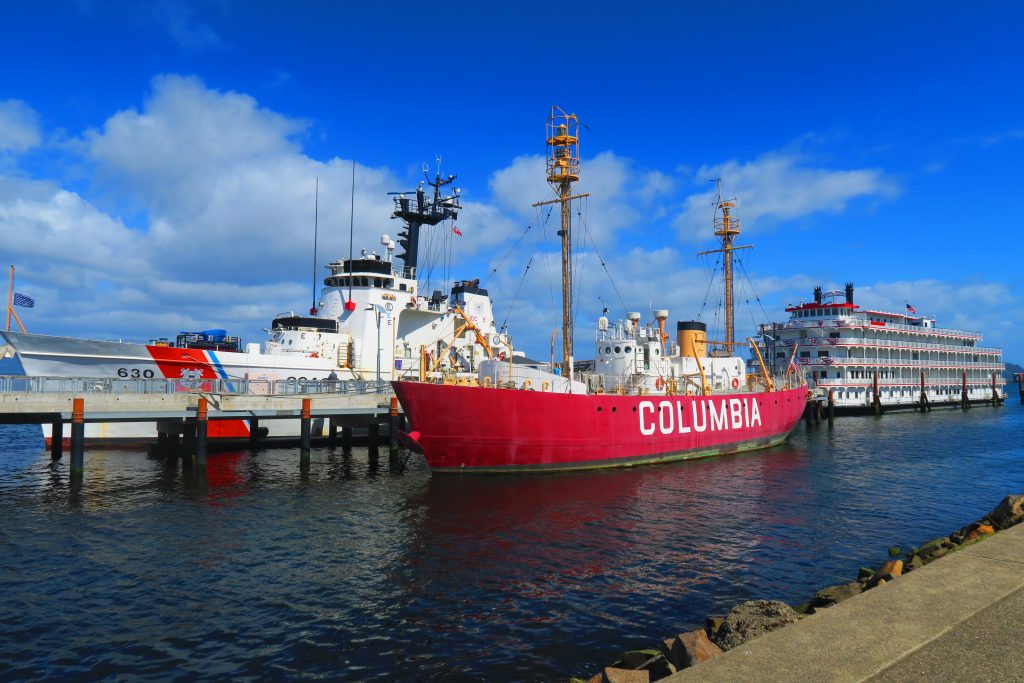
850, 350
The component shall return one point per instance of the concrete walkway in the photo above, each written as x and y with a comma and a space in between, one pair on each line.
960, 618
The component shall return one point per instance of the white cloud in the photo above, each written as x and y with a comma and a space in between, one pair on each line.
19, 126
778, 186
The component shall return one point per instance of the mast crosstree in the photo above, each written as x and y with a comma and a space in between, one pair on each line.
727, 229
563, 169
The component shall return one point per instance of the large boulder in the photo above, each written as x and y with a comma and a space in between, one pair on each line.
751, 619
1008, 512
827, 597
697, 647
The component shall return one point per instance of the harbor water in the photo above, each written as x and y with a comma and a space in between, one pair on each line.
357, 569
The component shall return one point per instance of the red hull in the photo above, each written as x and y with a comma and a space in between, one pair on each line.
462, 429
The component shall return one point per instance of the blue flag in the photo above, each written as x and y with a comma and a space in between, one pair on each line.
22, 300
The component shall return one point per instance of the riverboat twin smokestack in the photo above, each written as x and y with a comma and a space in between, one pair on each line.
849, 294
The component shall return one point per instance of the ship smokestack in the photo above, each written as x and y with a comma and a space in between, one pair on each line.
849, 293
692, 338
817, 295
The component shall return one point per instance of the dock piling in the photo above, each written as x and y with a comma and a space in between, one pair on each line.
393, 425
965, 403
254, 434
346, 439
876, 401
77, 437
373, 438
831, 409
57, 438
304, 438
996, 401
202, 431
332, 433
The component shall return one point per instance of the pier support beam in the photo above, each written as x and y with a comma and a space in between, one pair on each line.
831, 409
304, 434
965, 402
996, 400
332, 433
77, 438
202, 430
57, 438
346, 440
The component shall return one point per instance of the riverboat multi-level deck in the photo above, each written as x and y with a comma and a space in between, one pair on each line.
870, 359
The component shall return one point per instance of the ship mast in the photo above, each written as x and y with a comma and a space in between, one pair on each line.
726, 228
563, 169
421, 211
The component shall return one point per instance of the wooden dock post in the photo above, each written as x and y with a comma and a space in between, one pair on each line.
57, 438
877, 401
77, 437
996, 401
202, 431
393, 425
304, 438
332, 433
831, 409
808, 413
923, 401
188, 440
346, 439
965, 403
373, 438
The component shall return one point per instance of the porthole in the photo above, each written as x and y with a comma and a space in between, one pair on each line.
599, 409
607, 349
629, 349
618, 349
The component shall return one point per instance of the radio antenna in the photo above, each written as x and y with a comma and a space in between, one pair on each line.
316, 230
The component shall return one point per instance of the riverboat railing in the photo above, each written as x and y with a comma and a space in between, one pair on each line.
10, 384
859, 341
895, 362
857, 322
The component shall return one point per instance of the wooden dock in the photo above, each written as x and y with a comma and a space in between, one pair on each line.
182, 413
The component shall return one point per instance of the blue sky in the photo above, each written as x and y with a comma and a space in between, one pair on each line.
158, 160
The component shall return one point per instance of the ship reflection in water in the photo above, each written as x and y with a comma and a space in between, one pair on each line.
361, 570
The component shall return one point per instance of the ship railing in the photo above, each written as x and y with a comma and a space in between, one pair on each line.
860, 322
20, 384
887, 344
832, 360
930, 385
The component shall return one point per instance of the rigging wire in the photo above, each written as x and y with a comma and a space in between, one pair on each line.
515, 296
604, 265
513, 248
756, 296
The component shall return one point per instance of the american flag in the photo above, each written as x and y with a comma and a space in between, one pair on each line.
456, 231
911, 310
22, 300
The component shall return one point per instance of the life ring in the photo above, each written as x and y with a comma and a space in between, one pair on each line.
545, 386
735, 383
600, 390
486, 381
527, 384
449, 380
659, 384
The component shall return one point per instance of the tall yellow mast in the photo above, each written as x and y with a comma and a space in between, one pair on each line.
726, 228
563, 169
